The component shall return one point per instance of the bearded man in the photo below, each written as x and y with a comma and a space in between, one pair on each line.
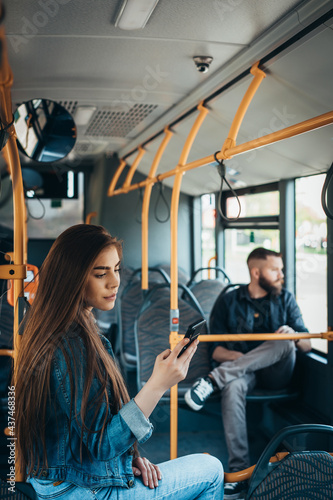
262, 306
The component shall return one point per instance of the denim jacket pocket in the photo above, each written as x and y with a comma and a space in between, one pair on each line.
46, 489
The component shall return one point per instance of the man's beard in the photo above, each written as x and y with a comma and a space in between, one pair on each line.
269, 287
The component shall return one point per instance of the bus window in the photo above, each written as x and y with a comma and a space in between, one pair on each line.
311, 256
258, 225
240, 242
253, 205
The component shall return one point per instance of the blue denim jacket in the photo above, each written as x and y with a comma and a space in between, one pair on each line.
106, 461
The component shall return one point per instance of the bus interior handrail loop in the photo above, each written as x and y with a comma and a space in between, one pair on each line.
162, 197
222, 173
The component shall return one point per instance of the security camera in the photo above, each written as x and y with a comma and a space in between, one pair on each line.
202, 63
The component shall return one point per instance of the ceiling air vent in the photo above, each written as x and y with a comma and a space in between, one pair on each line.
69, 105
89, 148
112, 123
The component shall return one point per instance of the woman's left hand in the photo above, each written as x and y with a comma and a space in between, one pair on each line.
150, 473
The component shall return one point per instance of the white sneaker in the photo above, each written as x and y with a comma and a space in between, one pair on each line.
235, 490
199, 392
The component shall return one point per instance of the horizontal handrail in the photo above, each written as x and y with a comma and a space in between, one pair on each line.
286, 133
7, 352
263, 336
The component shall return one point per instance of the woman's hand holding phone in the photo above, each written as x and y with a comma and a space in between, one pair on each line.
169, 369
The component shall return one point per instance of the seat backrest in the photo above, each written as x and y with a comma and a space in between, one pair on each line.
219, 272
128, 307
152, 330
298, 476
22, 491
301, 475
183, 276
206, 292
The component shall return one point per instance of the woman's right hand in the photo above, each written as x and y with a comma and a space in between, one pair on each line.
169, 369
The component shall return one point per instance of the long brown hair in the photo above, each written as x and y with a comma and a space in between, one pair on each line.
58, 305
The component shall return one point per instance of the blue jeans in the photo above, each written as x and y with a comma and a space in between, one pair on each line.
191, 477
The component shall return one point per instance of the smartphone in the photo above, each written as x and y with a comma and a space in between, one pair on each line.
192, 333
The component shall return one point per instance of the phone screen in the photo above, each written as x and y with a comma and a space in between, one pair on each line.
193, 331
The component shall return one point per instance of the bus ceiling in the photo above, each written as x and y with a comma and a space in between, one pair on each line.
124, 87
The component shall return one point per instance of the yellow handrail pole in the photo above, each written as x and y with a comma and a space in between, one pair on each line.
25, 234
131, 172
90, 216
209, 265
259, 75
116, 176
7, 352
286, 133
238, 337
11, 152
174, 313
145, 208
5, 155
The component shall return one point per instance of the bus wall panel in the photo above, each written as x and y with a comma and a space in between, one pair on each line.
121, 215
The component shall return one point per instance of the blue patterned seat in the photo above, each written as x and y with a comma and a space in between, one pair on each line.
206, 291
300, 475
127, 309
152, 330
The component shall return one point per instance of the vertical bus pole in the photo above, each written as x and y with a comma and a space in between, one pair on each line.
174, 312
145, 208
12, 157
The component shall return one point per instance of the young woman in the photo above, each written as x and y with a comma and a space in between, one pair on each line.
77, 429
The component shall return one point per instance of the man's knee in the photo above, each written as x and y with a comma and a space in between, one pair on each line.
284, 347
237, 388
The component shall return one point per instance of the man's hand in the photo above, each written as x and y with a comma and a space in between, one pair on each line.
221, 354
303, 345
285, 329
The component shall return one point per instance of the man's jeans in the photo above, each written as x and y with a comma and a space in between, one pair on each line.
269, 365
194, 476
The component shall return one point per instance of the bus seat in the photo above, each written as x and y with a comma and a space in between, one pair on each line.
128, 307
183, 276
206, 292
6, 343
23, 491
301, 474
152, 330
217, 270
258, 395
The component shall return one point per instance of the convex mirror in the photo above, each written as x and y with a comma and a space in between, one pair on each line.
45, 130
